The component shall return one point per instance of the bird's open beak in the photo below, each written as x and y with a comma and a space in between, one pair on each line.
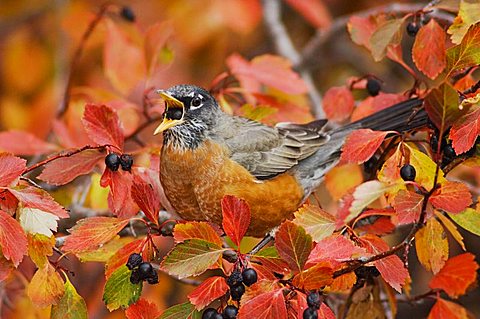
171, 103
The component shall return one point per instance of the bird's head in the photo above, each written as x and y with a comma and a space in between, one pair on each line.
189, 112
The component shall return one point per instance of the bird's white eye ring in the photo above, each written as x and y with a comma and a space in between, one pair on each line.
196, 103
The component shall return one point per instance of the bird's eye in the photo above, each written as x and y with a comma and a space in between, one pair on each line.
196, 102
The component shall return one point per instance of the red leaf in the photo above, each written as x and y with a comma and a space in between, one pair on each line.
24, 143
103, 125
13, 242
335, 247
316, 277
314, 11
457, 275
147, 197
464, 131
391, 268
32, 197
196, 230
236, 218
338, 103
452, 197
208, 291
325, 312
408, 206
270, 70
361, 144
11, 167
444, 309
120, 196
65, 169
121, 256
265, 306
293, 245
428, 51
90, 233
143, 309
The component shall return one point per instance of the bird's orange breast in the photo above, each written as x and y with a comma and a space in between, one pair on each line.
196, 180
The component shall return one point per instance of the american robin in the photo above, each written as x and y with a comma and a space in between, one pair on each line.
207, 154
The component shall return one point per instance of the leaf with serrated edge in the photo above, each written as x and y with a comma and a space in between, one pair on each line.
209, 290
39, 247
468, 14
265, 306
121, 256
467, 53
236, 217
143, 309
469, 220
452, 197
316, 222
432, 246
103, 125
182, 311
24, 143
441, 105
119, 291
191, 258
146, 197
196, 230
443, 309
428, 52
36, 221
315, 277
293, 245
13, 241
32, 197
90, 233
46, 287
71, 306
408, 206
457, 275
465, 130
11, 167
361, 144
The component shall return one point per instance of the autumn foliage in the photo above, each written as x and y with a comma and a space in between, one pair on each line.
63, 208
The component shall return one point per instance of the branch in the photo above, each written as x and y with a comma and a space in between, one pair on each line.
284, 46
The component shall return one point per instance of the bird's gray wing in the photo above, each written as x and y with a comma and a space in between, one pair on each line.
268, 151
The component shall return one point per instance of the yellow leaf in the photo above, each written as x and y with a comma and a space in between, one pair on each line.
39, 247
425, 168
46, 287
451, 228
432, 246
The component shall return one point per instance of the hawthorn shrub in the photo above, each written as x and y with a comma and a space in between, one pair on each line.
332, 261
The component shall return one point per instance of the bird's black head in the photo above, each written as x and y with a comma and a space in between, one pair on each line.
189, 112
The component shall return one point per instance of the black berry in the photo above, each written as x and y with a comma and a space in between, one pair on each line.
412, 29
112, 161
313, 300
310, 313
230, 312
237, 292
249, 276
134, 260
434, 142
145, 270
135, 277
218, 316
408, 173
167, 228
373, 87
126, 160
128, 14
449, 152
153, 279
235, 279
209, 313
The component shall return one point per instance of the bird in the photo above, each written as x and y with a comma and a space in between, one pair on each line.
208, 154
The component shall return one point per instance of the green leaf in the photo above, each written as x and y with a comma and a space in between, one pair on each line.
467, 53
191, 258
318, 223
181, 311
71, 306
119, 291
469, 219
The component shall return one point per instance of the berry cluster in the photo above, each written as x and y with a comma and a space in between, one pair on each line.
141, 270
114, 160
237, 282
314, 302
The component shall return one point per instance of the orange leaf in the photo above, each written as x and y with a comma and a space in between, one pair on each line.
24, 143
11, 167
432, 246
361, 144
264, 306
452, 197
457, 275
343, 178
338, 103
208, 291
361, 29
335, 247
465, 130
428, 51
46, 287
196, 230
408, 206
90, 233
121, 256
236, 218
120, 199
103, 125
13, 242
315, 277
293, 245
444, 309
143, 309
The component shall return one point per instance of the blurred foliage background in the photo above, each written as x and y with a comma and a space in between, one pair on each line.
193, 41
